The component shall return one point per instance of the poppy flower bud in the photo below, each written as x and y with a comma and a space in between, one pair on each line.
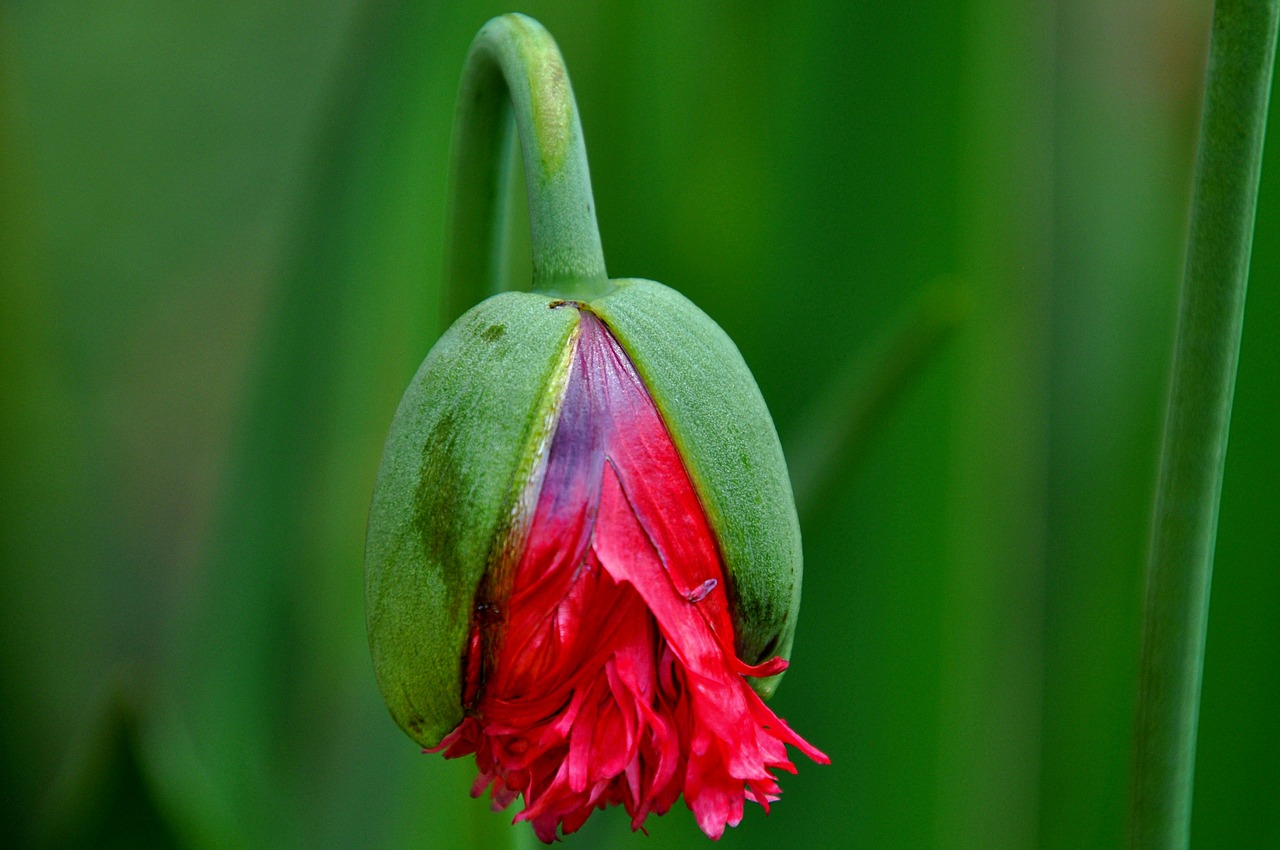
583, 560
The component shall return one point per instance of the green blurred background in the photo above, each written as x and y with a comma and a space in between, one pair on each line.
220, 243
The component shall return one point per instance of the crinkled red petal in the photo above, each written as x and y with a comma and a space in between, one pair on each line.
609, 670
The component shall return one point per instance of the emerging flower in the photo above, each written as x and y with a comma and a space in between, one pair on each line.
583, 561
583, 558
602, 668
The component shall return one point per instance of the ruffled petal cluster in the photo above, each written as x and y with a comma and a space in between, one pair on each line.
602, 668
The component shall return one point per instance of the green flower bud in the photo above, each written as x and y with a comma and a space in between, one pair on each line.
583, 558
452, 489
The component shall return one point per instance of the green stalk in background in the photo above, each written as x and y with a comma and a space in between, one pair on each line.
1241, 55
993, 581
515, 67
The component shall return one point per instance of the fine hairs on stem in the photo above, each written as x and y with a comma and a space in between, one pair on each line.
515, 69
1211, 312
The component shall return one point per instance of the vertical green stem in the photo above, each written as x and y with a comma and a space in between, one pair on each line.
515, 67
1241, 55
991, 661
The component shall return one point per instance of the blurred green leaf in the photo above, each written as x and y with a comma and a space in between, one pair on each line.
994, 582
835, 432
262, 665
108, 799
50, 605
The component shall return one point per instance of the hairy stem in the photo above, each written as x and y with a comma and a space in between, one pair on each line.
515, 68
1179, 567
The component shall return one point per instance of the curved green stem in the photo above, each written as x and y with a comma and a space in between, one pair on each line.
1179, 568
515, 67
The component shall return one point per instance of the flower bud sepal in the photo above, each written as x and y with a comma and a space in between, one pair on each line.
453, 486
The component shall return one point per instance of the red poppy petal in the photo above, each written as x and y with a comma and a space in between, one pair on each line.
609, 674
